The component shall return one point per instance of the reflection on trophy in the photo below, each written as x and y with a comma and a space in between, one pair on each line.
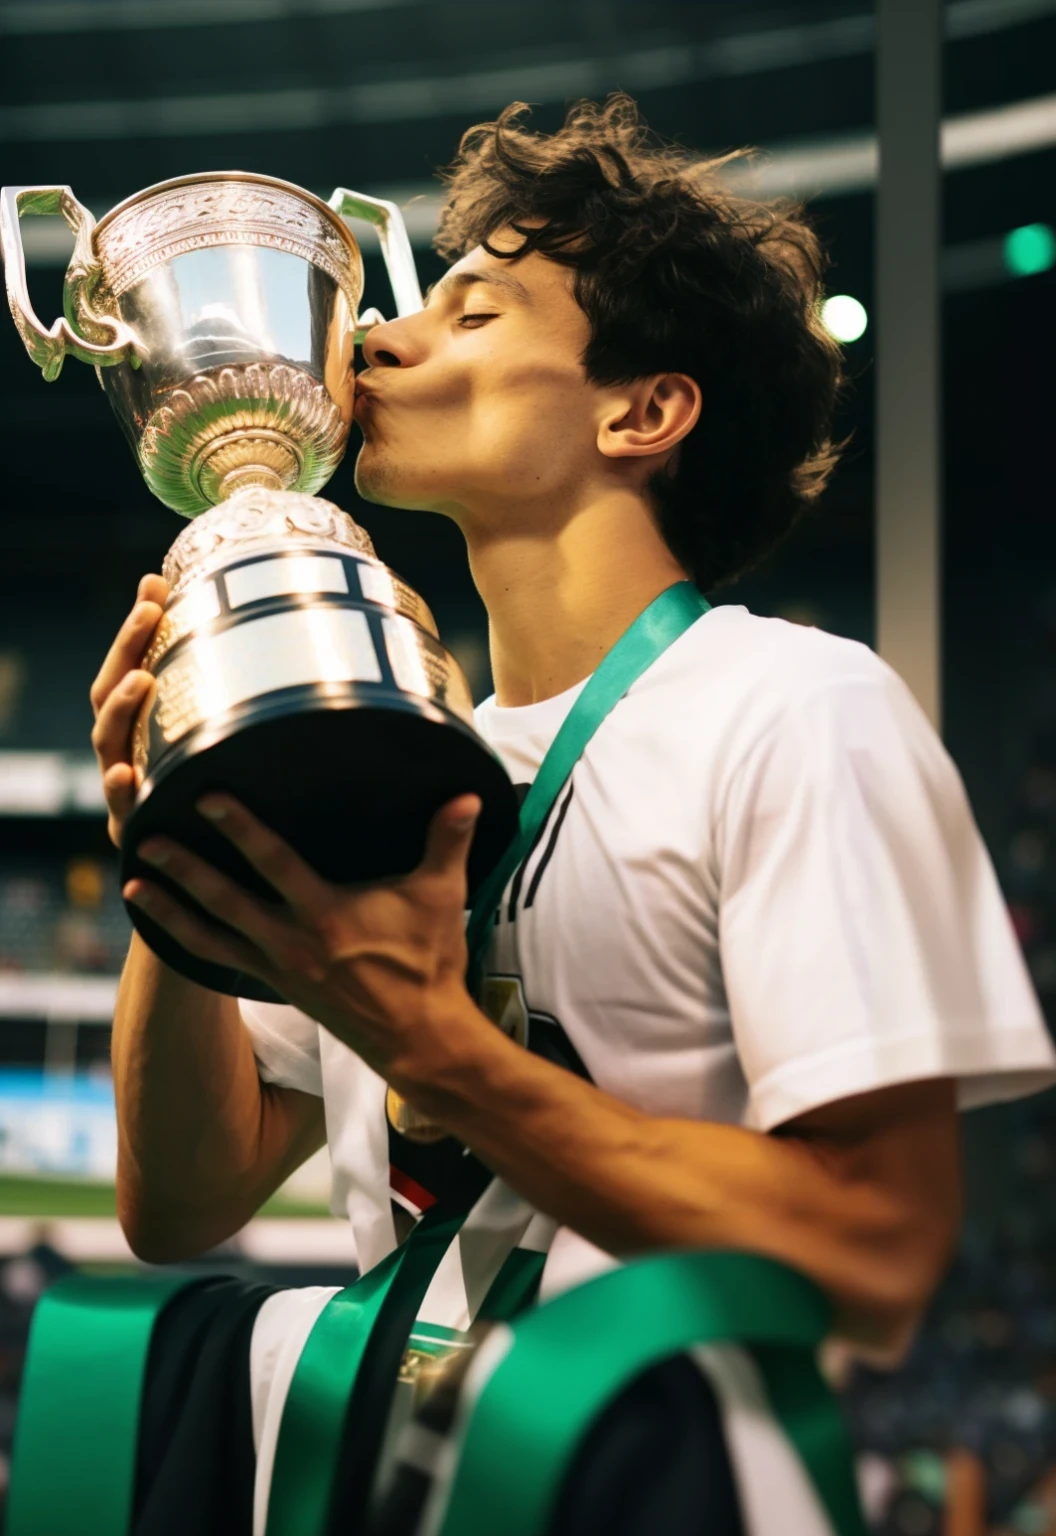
293, 668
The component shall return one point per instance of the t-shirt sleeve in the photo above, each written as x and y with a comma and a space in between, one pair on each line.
863, 937
285, 1043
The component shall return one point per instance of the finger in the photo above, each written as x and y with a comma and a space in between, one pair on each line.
268, 853
450, 836
119, 786
126, 652
214, 892
113, 724
196, 935
120, 783
153, 589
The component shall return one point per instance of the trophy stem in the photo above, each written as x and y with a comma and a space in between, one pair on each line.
250, 475
264, 458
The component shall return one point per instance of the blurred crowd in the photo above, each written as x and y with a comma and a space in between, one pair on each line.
981, 1378
1029, 872
61, 917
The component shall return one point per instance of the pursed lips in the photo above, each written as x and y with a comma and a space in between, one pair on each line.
364, 398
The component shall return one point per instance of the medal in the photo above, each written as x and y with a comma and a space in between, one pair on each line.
408, 1121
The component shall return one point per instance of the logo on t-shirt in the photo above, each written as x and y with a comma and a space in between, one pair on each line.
502, 999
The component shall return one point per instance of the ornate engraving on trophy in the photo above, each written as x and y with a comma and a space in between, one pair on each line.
444, 683
259, 517
271, 425
178, 705
194, 608
409, 605
155, 227
380, 585
91, 297
141, 736
165, 637
421, 665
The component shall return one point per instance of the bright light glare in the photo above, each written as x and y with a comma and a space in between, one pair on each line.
1030, 249
843, 317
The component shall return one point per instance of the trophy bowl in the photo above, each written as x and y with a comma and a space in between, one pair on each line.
292, 668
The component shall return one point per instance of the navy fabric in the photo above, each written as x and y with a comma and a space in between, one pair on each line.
195, 1459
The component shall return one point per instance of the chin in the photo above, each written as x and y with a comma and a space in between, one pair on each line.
378, 481
384, 481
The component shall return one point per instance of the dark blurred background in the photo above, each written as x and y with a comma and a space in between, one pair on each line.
112, 95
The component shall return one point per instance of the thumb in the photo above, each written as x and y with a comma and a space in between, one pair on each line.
450, 835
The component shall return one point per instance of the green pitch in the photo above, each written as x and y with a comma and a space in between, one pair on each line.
78, 1197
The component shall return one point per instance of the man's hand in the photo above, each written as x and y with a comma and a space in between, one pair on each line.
380, 966
117, 695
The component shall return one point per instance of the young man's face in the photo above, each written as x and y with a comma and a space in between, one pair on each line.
480, 403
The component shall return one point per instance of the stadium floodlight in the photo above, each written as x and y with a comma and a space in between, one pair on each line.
844, 317
1029, 249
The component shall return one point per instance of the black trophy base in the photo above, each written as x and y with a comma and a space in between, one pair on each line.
349, 782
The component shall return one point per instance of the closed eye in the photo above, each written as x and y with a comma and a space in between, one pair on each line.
473, 322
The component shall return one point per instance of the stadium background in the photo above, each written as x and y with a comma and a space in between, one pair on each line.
112, 95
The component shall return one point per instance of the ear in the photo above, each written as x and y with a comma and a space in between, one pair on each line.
650, 417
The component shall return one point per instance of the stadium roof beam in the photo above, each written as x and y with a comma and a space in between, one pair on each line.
845, 163
828, 167
28, 17
812, 167
652, 64
908, 213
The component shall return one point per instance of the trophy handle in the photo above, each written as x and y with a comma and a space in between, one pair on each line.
395, 249
84, 332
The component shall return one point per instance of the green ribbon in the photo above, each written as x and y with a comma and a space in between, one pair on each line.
76, 1438
570, 1357
666, 618
323, 1390
313, 1417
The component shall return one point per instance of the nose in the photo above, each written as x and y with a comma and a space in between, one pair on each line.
386, 344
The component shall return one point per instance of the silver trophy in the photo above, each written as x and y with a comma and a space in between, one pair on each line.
293, 669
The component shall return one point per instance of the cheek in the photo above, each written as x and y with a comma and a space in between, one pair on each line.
534, 407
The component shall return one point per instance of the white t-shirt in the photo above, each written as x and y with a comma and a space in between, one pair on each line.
761, 891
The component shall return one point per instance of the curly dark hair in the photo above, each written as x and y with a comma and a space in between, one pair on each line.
675, 273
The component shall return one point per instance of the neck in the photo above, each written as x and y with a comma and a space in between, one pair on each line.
561, 593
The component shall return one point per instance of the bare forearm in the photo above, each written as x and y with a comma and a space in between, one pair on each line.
634, 1183
201, 1142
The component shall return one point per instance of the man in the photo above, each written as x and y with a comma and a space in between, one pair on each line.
757, 953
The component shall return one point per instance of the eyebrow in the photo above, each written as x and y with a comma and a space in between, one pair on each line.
454, 282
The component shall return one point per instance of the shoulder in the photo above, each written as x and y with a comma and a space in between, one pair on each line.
820, 727
778, 659
757, 718
736, 679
